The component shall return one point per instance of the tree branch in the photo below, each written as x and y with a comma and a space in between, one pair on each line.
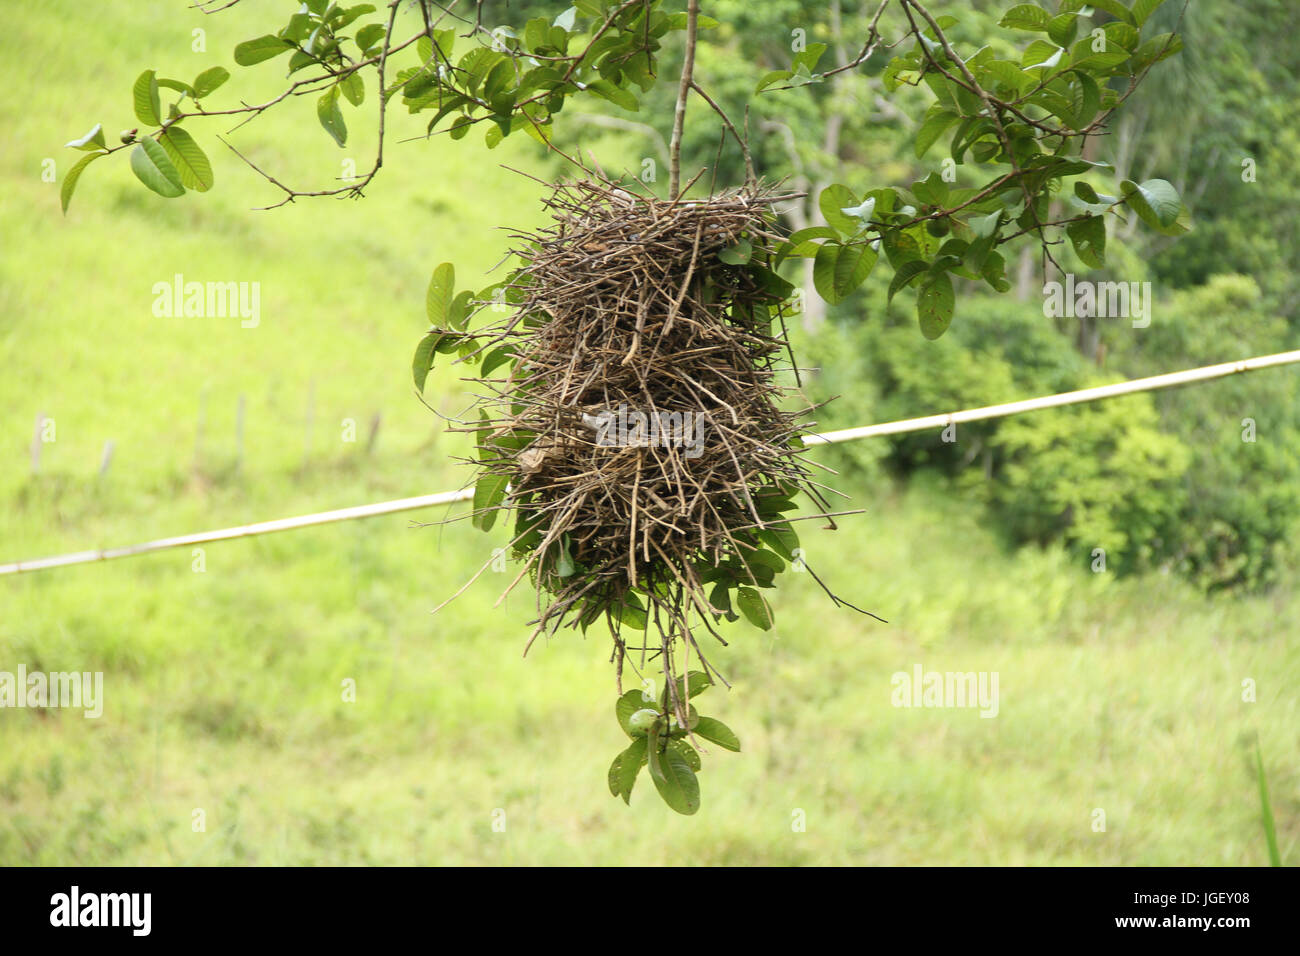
684, 88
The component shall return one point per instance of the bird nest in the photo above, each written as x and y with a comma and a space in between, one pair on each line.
635, 429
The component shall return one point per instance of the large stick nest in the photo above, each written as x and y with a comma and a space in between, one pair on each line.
625, 314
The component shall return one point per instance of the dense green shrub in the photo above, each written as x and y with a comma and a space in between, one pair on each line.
1243, 488
1167, 479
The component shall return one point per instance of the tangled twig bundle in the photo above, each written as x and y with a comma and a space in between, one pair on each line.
639, 429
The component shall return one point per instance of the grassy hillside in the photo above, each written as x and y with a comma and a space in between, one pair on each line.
223, 688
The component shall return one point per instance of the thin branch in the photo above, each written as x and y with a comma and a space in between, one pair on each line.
750, 177
352, 189
679, 117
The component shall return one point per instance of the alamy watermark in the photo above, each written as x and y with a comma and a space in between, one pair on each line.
129, 910
1084, 299
923, 688
83, 690
212, 300
625, 427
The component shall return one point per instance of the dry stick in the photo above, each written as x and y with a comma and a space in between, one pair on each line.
631, 551
750, 177
679, 116
353, 189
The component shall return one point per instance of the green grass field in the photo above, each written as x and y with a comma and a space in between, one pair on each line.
224, 688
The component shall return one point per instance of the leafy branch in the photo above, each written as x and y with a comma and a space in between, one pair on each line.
1031, 116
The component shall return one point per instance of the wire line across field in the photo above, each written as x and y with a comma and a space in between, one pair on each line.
1152, 383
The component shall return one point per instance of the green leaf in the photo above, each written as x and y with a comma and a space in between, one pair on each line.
441, 294
1266, 811
449, 342
301, 25
1122, 35
1007, 74
1042, 55
852, 267
177, 85
627, 765
1114, 8
613, 777
824, 271
755, 608
498, 78
799, 245
803, 77
985, 226
145, 95
832, 201
771, 78
1089, 239
1063, 29
674, 779
458, 312
1155, 50
934, 127
299, 61
92, 141
209, 80
1086, 99
423, 360
1026, 16
564, 565
1085, 192
808, 57
934, 304
1155, 201
495, 359
418, 85
492, 138
341, 18
615, 94
70, 180
720, 597
1143, 9
738, 254
1083, 55
263, 48
688, 752
190, 162
537, 34
994, 272
369, 35
331, 117
154, 168
762, 558
631, 613
354, 88
629, 704
566, 19
904, 275
715, 731
781, 538
489, 492
678, 21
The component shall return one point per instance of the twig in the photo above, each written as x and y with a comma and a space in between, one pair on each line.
679, 115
